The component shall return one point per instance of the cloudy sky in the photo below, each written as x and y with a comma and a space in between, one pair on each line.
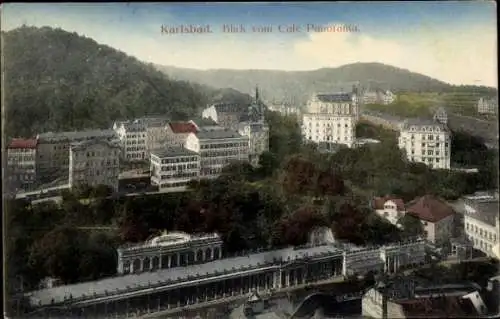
452, 41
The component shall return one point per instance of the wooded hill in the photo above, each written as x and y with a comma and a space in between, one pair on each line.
57, 80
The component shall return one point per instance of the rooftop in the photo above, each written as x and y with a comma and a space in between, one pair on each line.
217, 133
430, 209
174, 238
228, 107
172, 151
183, 127
144, 280
77, 135
17, 143
378, 202
335, 97
83, 144
154, 121
424, 122
486, 209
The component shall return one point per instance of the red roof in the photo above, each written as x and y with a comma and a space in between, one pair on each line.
23, 143
430, 208
183, 127
378, 202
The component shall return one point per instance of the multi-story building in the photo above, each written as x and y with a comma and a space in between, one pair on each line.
255, 128
156, 132
482, 224
487, 106
133, 137
21, 162
169, 250
94, 162
389, 207
378, 97
172, 167
53, 151
178, 132
331, 118
440, 115
224, 114
436, 216
427, 142
217, 147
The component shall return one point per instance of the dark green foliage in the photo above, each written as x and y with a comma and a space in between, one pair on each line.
60, 81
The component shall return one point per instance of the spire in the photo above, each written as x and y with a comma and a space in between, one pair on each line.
256, 93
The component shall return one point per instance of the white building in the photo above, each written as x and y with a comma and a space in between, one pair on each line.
427, 142
258, 139
224, 114
178, 132
440, 115
156, 132
436, 216
331, 118
378, 97
217, 147
173, 167
169, 250
94, 162
132, 135
482, 224
487, 106
21, 162
389, 207
53, 151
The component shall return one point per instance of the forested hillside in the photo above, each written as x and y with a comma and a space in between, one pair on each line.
297, 86
57, 80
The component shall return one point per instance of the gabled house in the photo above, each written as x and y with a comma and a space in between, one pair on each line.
436, 216
389, 207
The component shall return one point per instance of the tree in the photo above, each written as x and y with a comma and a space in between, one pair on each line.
411, 226
268, 163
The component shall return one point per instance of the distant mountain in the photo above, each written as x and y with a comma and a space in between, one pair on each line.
299, 85
57, 80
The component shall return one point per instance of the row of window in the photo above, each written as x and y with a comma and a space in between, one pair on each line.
21, 150
133, 142
233, 153
430, 153
180, 175
21, 159
179, 160
136, 136
173, 185
106, 173
327, 125
97, 163
482, 245
222, 145
179, 167
136, 156
482, 233
135, 149
425, 159
329, 138
22, 177
96, 154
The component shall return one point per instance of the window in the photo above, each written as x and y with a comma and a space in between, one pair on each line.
423, 144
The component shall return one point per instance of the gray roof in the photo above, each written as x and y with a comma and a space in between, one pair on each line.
424, 122
158, 121
85, 143
111, 285
486, 210
76, 136
335, 97
228, 107
217, 133
254, 126
172, 151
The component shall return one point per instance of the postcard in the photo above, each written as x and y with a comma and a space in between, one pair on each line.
250, 160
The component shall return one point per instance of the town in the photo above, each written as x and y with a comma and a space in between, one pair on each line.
140, 190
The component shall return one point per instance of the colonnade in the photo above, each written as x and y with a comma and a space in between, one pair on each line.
136, 264
240, 284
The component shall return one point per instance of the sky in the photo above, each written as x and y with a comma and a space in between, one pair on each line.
455, 42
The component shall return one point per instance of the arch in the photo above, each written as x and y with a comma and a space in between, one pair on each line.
174, 262
164, 261
146, 264
208, 254
136, 265
190, 257
155, 262
126, 267
216, 253
199, 255
182, 259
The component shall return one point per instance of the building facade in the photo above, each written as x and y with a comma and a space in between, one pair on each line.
94, 162
482, 224
173, 167
156, 132
427, 142
217, 147
178, 132
224, 114
331, 118
53, 151
436, 216
21, 163
133, 138
169, 250
440, 115
389, 207
487, 106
